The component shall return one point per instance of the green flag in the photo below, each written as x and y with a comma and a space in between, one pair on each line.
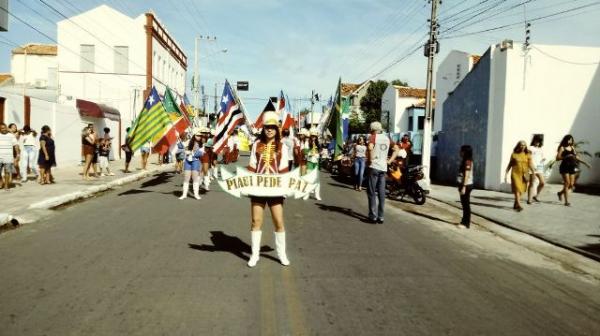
152, 120
336, 115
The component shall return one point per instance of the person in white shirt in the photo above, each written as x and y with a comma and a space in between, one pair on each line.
379, 145
8, 147
28, 153
538, 161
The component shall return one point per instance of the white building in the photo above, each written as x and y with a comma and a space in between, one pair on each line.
512, 94
35, 65
395, 106
111, 59
449, 74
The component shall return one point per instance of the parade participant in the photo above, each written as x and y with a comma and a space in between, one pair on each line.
299, 150
378, 147
206, 158
289, 141
191, 165
180, 153
235, 152
538, 160
520, 166
567, 154
268, 156
312, 155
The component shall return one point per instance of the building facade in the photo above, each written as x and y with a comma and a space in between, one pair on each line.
395, 106
451, 71
354, 93
513, 93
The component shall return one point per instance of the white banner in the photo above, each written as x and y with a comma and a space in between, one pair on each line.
246, 183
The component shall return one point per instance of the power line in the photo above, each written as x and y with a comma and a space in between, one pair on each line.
521, 22
563, 60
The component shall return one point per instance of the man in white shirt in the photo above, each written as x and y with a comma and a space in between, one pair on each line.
8, 146
379, 145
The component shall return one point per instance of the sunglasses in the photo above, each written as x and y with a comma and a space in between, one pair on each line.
272, 128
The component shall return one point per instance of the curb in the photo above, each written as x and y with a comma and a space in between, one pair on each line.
533, 234
53, 202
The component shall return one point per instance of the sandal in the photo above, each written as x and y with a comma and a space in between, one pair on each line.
559, 194
536, 199
568, 204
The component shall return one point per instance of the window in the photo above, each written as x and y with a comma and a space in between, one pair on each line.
410, 123
421, 123
121, 59
87, 61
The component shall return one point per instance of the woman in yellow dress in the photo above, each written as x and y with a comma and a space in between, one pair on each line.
520, 166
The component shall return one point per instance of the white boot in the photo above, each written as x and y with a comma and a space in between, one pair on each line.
184, 192
255, 248
196, 187
280, 248
206, 182
318, 192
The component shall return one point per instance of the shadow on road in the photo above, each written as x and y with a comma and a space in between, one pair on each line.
491, 205
158, 180
344, 211
134, 192
494, 198
234, 245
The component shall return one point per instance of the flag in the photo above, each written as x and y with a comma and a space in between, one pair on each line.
345, 118
230, 115
269, 107
179, 123
336, 114
281, 105
152, 120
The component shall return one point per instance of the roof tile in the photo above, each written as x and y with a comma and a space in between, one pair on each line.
36, 49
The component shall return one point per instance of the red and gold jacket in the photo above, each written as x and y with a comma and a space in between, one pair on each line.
268, 158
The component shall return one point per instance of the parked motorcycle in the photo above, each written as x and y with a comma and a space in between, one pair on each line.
404, 181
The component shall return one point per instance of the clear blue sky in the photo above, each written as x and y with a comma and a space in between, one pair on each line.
297, 46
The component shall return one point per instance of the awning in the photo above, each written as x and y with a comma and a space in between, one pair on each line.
93, 110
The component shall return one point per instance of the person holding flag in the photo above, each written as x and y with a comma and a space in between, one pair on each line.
269, 156
312, 155
191, 165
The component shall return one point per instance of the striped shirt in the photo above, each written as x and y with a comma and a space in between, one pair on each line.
7, 144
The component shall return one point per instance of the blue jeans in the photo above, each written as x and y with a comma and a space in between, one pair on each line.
376, 192
28, 158
359, 170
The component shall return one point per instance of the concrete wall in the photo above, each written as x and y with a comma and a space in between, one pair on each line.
388, 105
34, 68
465, 123
553, 90
451, 71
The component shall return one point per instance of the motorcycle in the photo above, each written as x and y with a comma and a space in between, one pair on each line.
402, 181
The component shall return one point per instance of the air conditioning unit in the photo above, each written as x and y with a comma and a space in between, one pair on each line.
506, 44
41, 84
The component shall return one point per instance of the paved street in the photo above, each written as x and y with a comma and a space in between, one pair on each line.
139, 261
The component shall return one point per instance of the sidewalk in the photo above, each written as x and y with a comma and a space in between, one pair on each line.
26, 200
576, 228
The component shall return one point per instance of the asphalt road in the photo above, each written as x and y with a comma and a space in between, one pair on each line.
138, 261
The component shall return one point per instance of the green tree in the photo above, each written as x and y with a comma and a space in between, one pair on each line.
399, 82
370, 104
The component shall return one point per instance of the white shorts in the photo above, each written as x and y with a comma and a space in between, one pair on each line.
103, 161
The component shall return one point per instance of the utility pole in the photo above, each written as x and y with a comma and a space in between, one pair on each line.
431, 48
216, 102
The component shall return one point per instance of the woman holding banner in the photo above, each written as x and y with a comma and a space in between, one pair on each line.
312, 152
269, 156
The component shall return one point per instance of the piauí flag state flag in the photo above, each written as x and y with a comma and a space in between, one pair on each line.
179, 124
152, 120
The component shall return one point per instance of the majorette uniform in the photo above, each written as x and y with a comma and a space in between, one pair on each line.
268, 159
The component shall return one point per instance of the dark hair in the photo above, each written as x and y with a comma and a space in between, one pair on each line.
26, 128
285, 132
2, 124
106, 130
11, 125
45, 128
467, 152
539, 138
565, 141
193, 140
517, 148
263, 136
315, 141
